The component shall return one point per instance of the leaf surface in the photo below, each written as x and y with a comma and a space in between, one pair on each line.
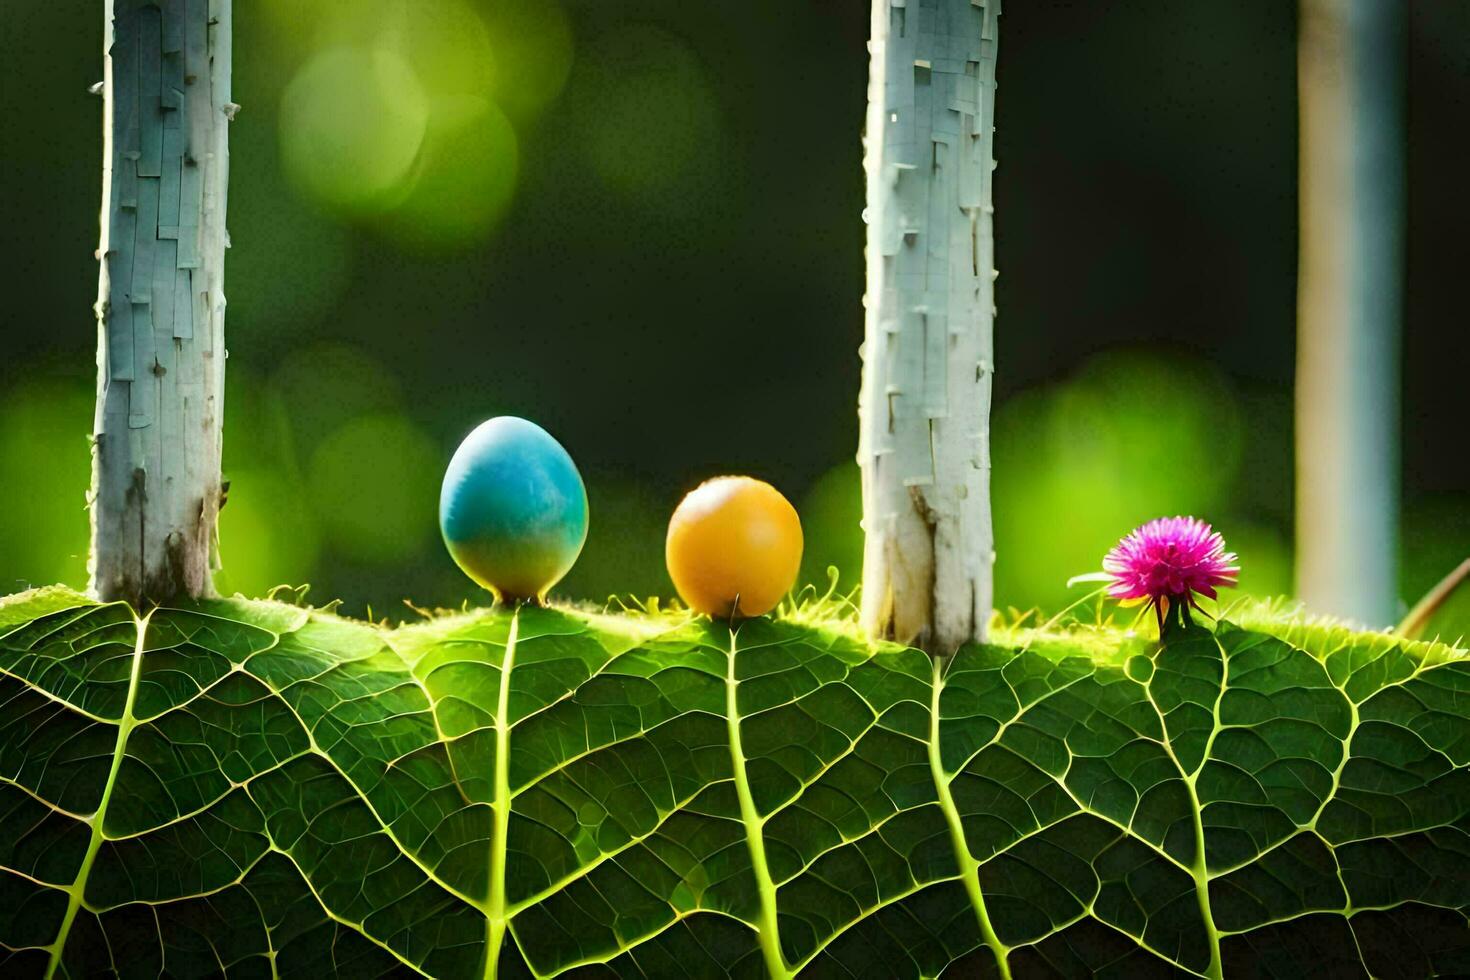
250, 788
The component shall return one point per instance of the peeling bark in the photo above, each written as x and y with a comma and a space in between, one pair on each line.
160, 299
928, 355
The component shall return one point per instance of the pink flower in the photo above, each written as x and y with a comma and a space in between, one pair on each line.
1166, 562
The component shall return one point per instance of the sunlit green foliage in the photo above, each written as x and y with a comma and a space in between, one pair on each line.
245, 786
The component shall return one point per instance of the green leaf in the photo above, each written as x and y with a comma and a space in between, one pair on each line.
252, 788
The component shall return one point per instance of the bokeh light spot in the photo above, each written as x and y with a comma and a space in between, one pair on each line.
463, 181
445, 42
532, 45
400, 116
351, 123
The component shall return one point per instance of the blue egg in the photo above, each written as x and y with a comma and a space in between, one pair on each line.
513, 509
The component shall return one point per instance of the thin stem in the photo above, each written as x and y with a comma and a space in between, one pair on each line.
1418, 618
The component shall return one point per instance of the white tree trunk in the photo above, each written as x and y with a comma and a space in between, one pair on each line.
160, 298
1347, 406
928, 356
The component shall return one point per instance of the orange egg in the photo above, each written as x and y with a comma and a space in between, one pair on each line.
734, 539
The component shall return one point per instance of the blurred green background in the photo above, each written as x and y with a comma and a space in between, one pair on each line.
639, 224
